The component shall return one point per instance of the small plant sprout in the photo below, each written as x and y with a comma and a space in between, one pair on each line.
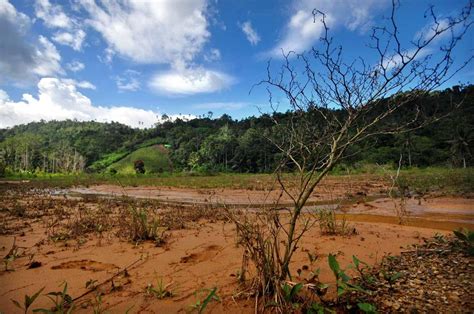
391, 277
63, 302
97, 306
12, 255
144, 227
28, 301
367, 308
312, 257
290, 293
342, 279
91, 284
363, 269
317, 308
160, 290
200, 306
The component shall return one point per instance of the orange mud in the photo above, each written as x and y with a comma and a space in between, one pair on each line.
204, 256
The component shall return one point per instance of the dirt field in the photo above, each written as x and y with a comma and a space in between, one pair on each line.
354, 200
56, 242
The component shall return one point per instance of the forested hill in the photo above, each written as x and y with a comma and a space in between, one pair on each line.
224, 144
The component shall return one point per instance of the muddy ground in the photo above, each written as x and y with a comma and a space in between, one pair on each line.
199, 250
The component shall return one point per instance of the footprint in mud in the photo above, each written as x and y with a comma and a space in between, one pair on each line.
209, 252
85, 265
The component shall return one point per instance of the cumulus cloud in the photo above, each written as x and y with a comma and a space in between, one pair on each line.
302, 31
69, 29
74, 40
75, 66
47, 58
128, 82
250, 33
59, 99
52, 15
191, 81
22, 60
166, 32
16, 55
3, 96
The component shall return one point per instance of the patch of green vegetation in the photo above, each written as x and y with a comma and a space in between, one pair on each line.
150, 142
107, 160
444, 180
155, 157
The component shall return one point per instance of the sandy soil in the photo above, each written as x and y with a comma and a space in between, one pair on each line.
201, 257
331, 190
363, 200
204, 254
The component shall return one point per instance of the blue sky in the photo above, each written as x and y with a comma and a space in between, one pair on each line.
132, 61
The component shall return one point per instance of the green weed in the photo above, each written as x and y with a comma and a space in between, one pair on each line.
466, 238
342, 279
160, 290
200, 306
28, 301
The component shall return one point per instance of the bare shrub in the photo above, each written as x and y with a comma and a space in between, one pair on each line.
336, 103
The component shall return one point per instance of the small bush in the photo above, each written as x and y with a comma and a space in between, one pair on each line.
139, 166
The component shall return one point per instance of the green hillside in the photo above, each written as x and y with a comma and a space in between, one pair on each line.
155, 157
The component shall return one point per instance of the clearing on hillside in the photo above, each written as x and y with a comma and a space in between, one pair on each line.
155, 157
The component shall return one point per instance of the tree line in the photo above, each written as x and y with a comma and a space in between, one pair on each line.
247, 145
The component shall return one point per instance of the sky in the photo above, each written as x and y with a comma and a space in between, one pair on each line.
133, 61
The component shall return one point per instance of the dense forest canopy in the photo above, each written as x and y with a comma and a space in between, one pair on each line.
225, 144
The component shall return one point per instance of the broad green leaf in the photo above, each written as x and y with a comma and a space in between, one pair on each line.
367, 307
296, 288
334, 265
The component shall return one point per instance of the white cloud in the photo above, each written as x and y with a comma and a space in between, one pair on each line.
190, 81
250, 33
430, 30
48, 59
166, 32
74, 40
302, 31
59, 99
128, 82
75, 66
3, 96
53, 16
159, 32
22, 60
107, 56
213, 55
8, 12
394, 61
80, 84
